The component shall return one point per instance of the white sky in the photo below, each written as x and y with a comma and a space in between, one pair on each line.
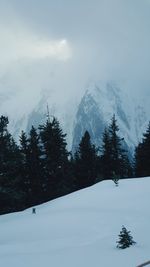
76, 41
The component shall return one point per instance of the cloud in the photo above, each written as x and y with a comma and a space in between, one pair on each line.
83, 40
59, 50
19, 41
16, 45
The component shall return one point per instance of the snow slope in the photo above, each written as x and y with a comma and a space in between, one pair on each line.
80, 229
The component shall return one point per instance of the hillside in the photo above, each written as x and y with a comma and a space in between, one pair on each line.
80, 229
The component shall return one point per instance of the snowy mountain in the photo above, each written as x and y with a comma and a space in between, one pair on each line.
26, 90
80, 229
99, 103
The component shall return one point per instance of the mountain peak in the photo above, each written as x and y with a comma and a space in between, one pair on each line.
100, 101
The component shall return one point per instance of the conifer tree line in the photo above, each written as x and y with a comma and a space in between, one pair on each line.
40, 168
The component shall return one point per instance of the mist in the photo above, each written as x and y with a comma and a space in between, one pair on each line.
63, 45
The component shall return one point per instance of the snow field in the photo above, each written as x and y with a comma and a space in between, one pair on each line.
80, 229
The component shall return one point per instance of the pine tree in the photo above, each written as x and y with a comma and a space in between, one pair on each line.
10, 197
116, 181
5, 140
35, 166
55, 159
106, 155
116, 149
125, 239
14, 162
115, 161
25, 162
86, 162
70, 184
15, 177
142, 155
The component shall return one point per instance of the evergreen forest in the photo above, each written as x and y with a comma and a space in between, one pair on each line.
40, 168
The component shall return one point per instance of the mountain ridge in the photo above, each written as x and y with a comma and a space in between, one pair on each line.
91, 110
99, 103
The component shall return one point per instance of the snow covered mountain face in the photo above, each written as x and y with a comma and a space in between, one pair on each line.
99, 103
26, 91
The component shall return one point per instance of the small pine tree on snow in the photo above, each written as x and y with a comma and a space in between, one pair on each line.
115, 179
125, 239
33, 210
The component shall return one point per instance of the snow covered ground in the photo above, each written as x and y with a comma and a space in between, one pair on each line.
80, 229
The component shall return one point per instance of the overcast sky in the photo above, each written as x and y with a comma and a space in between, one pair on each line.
81, 39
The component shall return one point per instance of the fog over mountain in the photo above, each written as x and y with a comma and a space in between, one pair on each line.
52, 50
